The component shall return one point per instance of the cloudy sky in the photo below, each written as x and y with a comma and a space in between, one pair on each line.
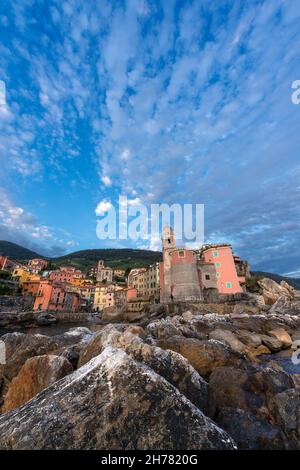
163, 101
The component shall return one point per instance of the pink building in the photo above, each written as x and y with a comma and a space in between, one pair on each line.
6, 264
228, 282
123, 296
37, 264
66, 274
55, 296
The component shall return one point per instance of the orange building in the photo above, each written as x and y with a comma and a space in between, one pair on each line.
30, 287
56, 296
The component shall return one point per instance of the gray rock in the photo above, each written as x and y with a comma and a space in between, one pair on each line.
228, 338
272, 343
112, 402
285, 306
248, 431
252, 390
247, 337
287, 416
169, 364
20, 347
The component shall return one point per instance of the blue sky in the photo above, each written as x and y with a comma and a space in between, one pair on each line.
163, 101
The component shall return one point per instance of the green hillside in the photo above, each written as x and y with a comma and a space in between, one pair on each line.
17, 252
115, 258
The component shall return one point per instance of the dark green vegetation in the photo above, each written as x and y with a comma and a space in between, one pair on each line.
86, 259
115, 258
6, 286
17, 252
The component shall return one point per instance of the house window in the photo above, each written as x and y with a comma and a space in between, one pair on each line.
228, 285
216, 254
218, 264
207, 277
181, 253
218, 274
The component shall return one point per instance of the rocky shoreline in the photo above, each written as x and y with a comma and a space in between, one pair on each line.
181, 377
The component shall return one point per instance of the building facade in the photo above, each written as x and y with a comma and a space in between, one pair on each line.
56, 297
103, 297
195, 275
123, 296
221, 256
37, 264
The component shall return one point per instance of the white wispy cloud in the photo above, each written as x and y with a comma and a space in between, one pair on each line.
182, 102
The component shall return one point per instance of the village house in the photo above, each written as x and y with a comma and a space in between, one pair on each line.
146, 281
66, 274
56, 296
7, 265
119, 273
125, 295
30, 288
103, 297
221, 256
86, 293
22, 275
37, 264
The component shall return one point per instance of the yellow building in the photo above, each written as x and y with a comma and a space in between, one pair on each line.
103, 297
19, 272
76, 281
23, 275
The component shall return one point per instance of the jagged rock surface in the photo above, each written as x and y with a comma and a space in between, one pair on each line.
112, 402
35, 375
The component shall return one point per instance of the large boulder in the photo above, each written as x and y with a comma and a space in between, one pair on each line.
251, 390
250, 339
94, 346
20, 347
36, 374
112, 402
249, 431
272, 343
229, 338
284, 305
163, 329
282, 335
204, 356
271, 291
287, 416
169, 364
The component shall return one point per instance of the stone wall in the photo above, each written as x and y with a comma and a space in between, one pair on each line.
15, 303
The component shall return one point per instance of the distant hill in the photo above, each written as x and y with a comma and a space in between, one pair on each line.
85, 259
17, 252
115, 258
